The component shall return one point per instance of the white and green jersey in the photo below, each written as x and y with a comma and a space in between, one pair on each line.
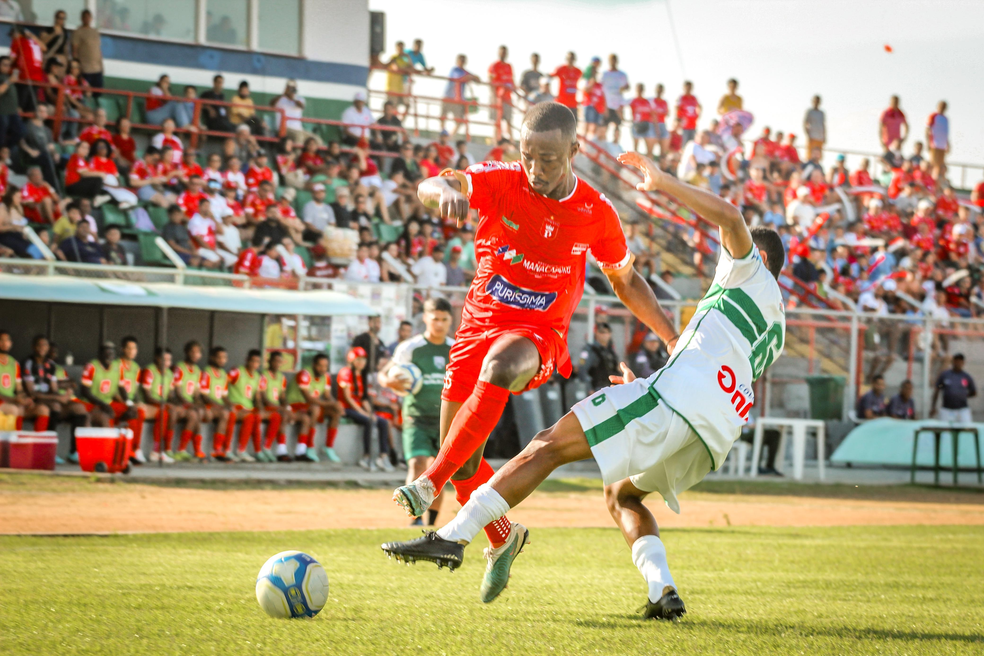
738, 330
432, 360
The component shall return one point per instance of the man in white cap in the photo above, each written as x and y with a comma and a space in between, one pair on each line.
292, 104
359, 118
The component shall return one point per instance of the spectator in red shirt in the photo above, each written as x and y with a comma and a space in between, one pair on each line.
124, 145
688, 112
756, 193
567, 76
947, 205
445, 151
838, 175
147, 178
977, 195
660, 111
39, 199
97, 130
192, 196
643, 120
358, 409
27, 51
257, 202
166, 137
190, 166
595, 107
258, 171
310, 159
892, 124
501, 79
158, 109
900, 177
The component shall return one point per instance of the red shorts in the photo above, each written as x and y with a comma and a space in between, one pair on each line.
118, 408
472, 344
304, 407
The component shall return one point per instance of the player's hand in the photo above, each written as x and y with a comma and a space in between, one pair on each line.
626, 377
653, 176
671, 346
453, 205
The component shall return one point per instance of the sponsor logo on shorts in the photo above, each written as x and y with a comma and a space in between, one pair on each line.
742, 397
509, 254
525, 299
509, 224
579, 248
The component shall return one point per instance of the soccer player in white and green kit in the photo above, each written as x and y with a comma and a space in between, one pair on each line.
658, 434
430, 351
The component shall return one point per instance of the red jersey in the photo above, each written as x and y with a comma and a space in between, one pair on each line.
568, 77
194, 169
256, 207
686, 111
818, 191
787, 154
531, 250
104, 165
27, 57
642, 110
860, 178
76, 163
947, 207
160, 140
927, 242
126, 147
594, 96
236, 209
660, 110
764, 146
31, 193
899, 179
501, 75
142, 171
286, 163
248, 263
286, 210
925, 180
189, 202
755, 192
445, 155
4, 178
348, 379
309, 161
94, 133
255, 176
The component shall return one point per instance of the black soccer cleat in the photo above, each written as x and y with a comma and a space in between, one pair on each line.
669, 607
430, 547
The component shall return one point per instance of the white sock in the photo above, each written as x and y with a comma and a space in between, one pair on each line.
301, 449
485, 506
649, 555
281, 449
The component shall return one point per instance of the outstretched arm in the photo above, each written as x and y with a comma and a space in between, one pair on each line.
444, 194
636, 294
735, 235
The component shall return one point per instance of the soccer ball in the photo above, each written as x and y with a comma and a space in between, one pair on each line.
410, 373
292, 584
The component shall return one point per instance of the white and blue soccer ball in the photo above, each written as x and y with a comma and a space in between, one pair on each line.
292, 584
410, 373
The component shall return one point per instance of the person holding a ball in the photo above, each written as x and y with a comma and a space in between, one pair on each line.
430, 352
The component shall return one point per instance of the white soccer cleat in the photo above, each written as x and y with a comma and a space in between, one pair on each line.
415, 497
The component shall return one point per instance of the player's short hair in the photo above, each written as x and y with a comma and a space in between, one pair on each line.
603, 325
769, 241
402, 323
318, 358
193, 343
126, 341
547, 116
437, 305
215, 350
877, 377
160, 351
274, 354
37, 338
254, 353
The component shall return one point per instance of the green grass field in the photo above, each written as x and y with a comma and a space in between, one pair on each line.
895, 590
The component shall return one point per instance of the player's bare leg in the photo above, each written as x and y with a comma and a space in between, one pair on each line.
638, 526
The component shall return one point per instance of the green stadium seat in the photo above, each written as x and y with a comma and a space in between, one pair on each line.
149, 252
113, 215
278, 192
305, 255
158, 215
387, 232
112, 107
303, 196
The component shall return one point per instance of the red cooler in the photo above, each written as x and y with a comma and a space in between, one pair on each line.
105, 450
29, 450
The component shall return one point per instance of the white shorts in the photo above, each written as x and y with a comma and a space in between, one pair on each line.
959, 416
633, 434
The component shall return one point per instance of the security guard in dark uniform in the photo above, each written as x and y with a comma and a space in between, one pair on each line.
598, 359
650, 358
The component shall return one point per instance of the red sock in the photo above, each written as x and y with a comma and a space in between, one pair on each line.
309, 438
185, 438
168, 439
159, 429
19, 423
197, 441
136, 425
471, 427
245, 430
41, 423
497, 531
273, 429
332, 434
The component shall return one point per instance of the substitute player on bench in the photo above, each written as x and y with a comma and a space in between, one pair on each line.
537, 222
273, 394
430, 352
658, 434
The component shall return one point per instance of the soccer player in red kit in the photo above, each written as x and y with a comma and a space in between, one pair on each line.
537, 222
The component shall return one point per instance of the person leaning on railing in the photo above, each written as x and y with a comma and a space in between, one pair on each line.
159, 110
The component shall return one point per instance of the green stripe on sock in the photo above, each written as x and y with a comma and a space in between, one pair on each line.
617, 423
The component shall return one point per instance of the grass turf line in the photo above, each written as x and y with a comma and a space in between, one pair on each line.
854, 590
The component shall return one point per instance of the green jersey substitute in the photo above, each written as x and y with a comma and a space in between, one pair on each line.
130, 379
188, 381
156, 387
9, 376
243, 386
432, 360
305, 379
104, 382
215, 385
275, 386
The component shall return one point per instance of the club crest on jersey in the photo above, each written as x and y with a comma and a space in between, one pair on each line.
579, 248
550, 228
509, 224
525, 299
509, 254
440, 362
